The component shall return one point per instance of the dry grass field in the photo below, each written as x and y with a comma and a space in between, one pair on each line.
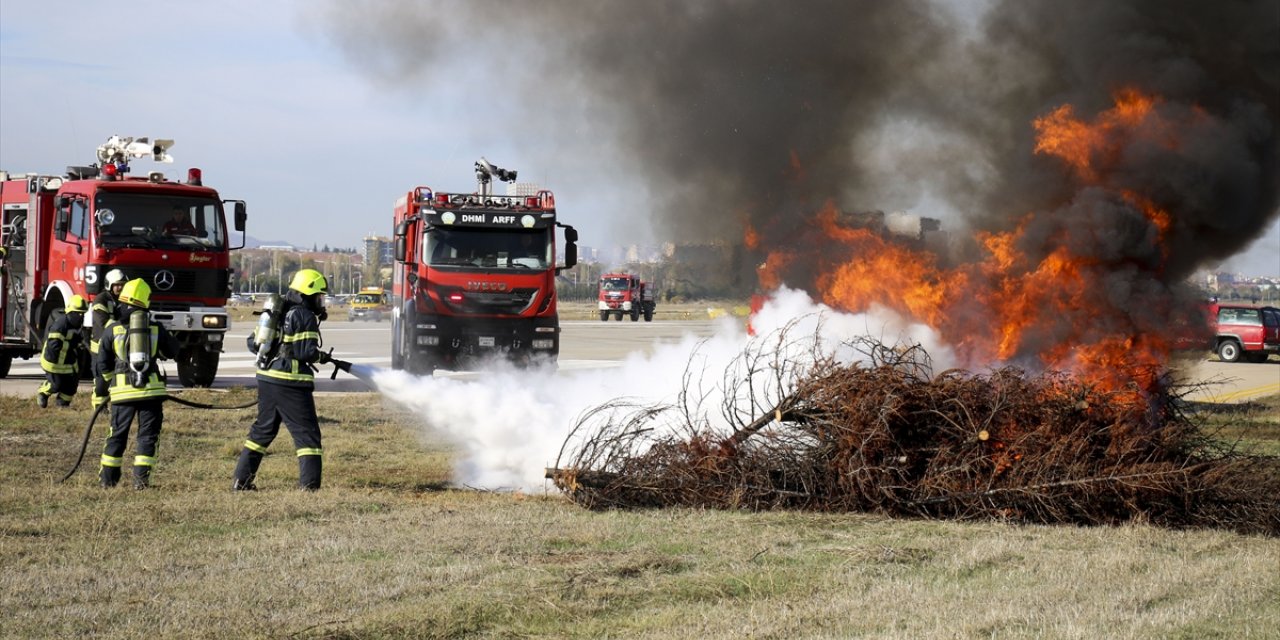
390, 549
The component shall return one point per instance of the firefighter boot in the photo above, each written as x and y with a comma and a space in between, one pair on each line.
141, 478
42, 400
309, 468
108, 476
246, 470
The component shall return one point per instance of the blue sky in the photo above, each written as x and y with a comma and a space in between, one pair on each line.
255, 95
259, 97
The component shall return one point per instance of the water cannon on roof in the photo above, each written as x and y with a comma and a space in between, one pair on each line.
117, 150
485, 171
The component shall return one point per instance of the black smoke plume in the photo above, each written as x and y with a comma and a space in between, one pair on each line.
760, 111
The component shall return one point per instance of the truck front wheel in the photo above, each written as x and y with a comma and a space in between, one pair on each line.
419, 363
604, 316
648, 314
198, 367
6, 361
1229, 351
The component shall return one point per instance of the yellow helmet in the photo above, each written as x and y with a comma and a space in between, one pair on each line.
309, 281
137, 293
76, 304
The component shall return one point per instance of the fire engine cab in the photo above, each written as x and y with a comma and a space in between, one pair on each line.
62, 234
475, 276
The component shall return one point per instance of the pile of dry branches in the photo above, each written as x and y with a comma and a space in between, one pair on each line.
887, 436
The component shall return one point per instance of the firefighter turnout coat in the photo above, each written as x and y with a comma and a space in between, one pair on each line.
62, 345
113, 362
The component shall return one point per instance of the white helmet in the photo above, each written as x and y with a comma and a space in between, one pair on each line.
115, 277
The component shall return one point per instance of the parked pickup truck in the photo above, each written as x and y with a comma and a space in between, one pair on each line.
1245, 332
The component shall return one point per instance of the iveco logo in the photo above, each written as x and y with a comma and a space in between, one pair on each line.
164, 280
482, 285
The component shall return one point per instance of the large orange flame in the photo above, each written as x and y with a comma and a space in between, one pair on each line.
1010, 306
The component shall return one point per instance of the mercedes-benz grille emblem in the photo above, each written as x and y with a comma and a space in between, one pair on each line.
164, 280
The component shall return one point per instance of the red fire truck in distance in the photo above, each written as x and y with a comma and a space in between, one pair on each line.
625, 294
62, 234
475, 277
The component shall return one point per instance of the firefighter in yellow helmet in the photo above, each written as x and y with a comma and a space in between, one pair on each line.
101, 312
286, 385
127, 354
60, 358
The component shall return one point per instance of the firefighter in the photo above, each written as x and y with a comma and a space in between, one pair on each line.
60, 359
104, 309
286, 385
127, 355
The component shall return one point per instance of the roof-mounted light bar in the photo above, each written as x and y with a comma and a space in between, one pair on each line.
545, 200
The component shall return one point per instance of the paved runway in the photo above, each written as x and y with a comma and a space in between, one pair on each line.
591, 344
584, 345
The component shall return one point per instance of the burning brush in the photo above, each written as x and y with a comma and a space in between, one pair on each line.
888, 436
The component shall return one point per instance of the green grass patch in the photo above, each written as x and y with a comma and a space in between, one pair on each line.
391, 549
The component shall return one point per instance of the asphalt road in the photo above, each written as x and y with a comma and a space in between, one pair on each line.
585, 344
591, 344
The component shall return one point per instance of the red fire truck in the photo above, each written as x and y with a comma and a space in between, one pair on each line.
475, 276
62, 234
624, 293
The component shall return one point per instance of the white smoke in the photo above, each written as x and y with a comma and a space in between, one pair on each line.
511, 424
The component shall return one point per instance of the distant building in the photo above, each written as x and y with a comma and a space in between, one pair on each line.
377, 251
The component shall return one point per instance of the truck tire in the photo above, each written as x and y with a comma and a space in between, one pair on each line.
618, 315
1229, 351
197, 367
86, 365
648, 314
419, 363
604, 316
635, 314
397, 342
6, 361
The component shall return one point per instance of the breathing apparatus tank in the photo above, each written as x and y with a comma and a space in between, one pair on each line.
267, 333
139, 348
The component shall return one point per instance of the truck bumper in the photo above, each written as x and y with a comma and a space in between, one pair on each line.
453, 337
200, 327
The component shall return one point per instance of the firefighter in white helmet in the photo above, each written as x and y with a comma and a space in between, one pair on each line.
286, 385
127, 356
103, 310
60, 358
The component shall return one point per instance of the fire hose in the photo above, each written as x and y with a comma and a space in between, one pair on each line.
84, 445
364, 373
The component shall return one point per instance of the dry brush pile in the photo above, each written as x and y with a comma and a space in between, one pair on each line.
888, 436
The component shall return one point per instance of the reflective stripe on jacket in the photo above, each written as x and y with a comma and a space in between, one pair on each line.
61, 352
121, 390
299, 347
102, 311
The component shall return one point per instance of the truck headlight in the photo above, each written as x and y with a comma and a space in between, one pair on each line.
213, 322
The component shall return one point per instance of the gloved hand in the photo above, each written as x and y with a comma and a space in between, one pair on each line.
325, 358
100, 387
97, 400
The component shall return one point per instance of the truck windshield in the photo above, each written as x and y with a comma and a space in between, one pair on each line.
614, 284
518, 249
147, 220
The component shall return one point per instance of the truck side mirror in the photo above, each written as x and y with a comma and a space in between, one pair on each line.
570, 255
61, 223
241, 216
400, 248
570, 235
